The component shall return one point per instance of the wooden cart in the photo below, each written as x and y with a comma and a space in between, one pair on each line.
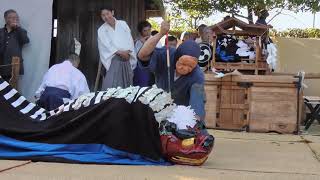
253, 103
236, 27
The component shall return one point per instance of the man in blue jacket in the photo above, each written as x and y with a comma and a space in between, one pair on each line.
187, 79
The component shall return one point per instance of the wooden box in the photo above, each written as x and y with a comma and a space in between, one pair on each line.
253, 103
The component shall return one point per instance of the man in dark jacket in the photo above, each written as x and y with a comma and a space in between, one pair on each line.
12, 39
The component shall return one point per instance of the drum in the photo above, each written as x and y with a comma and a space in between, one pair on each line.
205, 56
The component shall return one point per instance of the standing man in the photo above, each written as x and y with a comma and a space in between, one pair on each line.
142, 77
12, 39
262, 16
200, 29
207, 35
144, 29
62, 81
186, 77
116, 49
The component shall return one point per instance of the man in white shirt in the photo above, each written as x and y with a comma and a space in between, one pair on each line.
159, 44
116, 49
62, 82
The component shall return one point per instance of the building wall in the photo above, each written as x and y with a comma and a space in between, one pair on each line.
297, 54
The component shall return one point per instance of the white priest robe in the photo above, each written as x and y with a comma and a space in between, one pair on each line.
66, 77
111, 40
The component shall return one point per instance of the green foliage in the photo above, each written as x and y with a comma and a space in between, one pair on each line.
197, 10
178, 23
234, 6
194, 10
297, 33
177, 26
154, 24
290, 33
177, 33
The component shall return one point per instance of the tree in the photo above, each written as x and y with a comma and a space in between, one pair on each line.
154, 24
195, 10
255, 6
199, 9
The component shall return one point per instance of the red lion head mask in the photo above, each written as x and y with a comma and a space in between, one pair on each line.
188, 147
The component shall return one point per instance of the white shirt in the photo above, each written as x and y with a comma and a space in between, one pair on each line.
65, 76
138, 45
198, 40
111, 40
176, 76
159, 45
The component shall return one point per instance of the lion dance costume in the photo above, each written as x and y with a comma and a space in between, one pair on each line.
139, 126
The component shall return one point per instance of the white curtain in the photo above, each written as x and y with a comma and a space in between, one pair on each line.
36, 18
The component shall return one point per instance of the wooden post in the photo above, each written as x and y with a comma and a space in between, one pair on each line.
15, 72
214, 46
258, 54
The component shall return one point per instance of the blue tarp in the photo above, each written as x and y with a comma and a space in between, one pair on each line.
81, 153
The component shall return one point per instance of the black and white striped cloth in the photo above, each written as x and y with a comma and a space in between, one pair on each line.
160, 101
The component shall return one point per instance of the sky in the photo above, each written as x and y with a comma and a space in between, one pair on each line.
296, 20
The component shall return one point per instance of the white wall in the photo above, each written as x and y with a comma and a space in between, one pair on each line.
297, 54
36, 18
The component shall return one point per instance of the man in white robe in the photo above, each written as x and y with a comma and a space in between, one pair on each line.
117, 52
61, 83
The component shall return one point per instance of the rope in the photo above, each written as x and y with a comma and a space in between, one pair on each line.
6, 65
20, 165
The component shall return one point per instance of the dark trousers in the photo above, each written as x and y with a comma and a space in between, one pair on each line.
6, 77
52, 98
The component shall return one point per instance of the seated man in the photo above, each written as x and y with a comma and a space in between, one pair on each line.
61, 81
186, 78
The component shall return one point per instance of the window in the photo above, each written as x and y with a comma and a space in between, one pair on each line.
55, 27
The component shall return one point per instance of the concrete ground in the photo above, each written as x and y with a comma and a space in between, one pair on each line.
237, 155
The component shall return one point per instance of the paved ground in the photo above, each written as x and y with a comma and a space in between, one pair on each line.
237, 155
